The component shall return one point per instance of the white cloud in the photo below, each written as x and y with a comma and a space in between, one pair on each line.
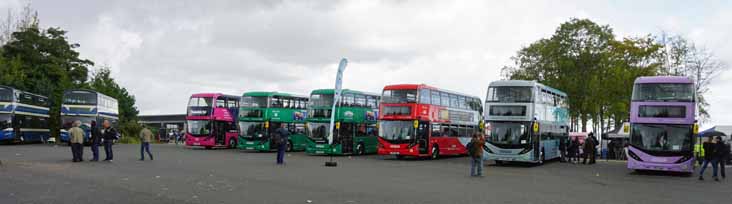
165, 50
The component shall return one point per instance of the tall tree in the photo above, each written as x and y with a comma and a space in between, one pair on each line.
103, 82
585, 60
47, 64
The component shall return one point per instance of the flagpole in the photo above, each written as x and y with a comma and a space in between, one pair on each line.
336, 100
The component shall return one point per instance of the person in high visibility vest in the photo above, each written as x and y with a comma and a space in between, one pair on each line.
699, 152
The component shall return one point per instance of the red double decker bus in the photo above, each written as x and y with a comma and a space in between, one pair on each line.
417, 120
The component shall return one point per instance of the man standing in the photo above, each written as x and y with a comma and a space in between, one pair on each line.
722, 151
96, 139
145, 137
476, 154
562, 150
709, 157
588, 149
281, 137
109, 134
77, 141
593, 148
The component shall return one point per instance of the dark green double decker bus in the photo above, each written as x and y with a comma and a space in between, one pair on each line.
355, 131
261, 113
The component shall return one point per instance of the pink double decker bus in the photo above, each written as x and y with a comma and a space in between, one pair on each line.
211, 120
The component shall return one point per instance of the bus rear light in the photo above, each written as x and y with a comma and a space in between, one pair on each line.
634, 156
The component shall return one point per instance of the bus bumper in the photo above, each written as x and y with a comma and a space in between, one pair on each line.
526, 157
399, 150
262, 145
323, 149
6, 135
685, 167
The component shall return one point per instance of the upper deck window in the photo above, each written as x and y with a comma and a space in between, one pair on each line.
80, 98
200, 102
6, 94
663, 92
254, 101
399, 96
321, 100
510, 94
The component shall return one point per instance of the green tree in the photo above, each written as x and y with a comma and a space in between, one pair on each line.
44, 62
585, 60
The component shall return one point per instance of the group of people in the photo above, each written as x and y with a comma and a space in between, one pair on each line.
716, 152
104, 136
570, 150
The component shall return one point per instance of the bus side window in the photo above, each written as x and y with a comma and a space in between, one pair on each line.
220, 102
436, 130
435, 99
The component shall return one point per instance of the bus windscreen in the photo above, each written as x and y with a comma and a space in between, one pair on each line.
662, 137
509, 94
663, 92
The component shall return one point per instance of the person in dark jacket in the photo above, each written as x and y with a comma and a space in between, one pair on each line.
593, 148
573, 150
476, 154
109, 134
722, 152
96, 139
562, 150
588, 149
282, 138
709, 157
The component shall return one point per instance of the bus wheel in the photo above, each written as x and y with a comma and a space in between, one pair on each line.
499, 163
435, 152
232, 143
360, 150
208, 147
399, 157
289, 146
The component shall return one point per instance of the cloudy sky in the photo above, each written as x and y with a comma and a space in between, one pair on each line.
163, 51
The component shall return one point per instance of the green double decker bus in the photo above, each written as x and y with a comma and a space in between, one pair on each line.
261, 113
355, 131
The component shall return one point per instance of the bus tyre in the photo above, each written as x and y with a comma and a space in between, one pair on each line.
232, 143
360, 150
435, 152
499, 163
289, 146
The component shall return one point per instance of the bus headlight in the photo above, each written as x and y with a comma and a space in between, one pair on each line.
634, 156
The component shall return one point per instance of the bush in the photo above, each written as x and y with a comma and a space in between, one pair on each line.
129, 140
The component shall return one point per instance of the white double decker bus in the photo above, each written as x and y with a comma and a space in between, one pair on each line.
526, 121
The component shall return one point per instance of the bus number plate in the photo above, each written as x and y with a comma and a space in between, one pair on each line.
196, 143
394, 146
250, 143
319, 152
394, 153
319, 146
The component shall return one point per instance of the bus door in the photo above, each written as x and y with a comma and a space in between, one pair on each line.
423, 137
345, 136
220, 129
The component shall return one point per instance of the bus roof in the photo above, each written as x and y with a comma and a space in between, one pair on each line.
211, 95
331, 91
663, 79
272, 93
525, 83
423, 86
89, 90
26, 92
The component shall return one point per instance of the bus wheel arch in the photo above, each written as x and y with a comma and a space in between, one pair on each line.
232, 143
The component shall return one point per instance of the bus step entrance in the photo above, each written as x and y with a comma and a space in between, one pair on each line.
422, 146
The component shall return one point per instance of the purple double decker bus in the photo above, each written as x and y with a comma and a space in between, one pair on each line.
662, 124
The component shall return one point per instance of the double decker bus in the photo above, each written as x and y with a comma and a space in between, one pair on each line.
211, 120
86, 106
355, 123
662, 124
261, 113
527, 121
23, 116
422, 121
